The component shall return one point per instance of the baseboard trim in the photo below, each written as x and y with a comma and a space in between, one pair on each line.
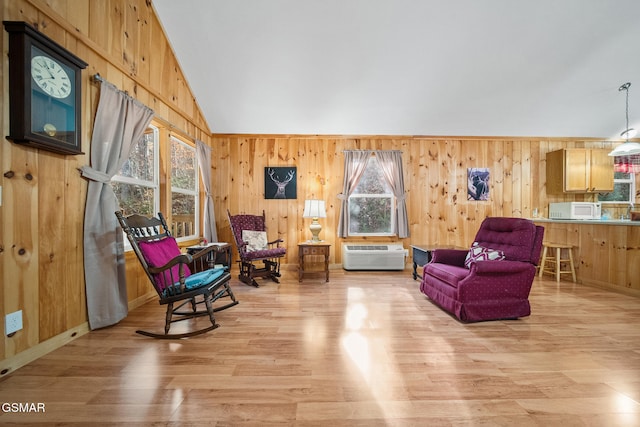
142, 300
19, 360
609, 287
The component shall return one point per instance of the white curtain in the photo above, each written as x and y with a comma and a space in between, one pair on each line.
120, 122
355, 162
204, 161
391, 164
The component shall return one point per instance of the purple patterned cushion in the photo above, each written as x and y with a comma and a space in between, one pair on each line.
159, 252
480, 253
267, 253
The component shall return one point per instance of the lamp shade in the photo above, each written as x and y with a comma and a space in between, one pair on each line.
626, 149
314, 209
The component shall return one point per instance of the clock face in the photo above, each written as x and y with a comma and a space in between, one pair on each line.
50, 76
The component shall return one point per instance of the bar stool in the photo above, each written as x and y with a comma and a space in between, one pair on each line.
555, 261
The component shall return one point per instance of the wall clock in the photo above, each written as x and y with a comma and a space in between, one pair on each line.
45, 91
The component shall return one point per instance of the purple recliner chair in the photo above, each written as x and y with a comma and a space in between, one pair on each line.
496, 280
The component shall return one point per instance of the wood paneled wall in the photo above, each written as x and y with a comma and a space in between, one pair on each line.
41, 250
435, 172
43, 194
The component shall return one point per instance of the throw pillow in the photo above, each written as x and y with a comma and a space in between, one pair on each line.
159, 252
255, 240
480, 253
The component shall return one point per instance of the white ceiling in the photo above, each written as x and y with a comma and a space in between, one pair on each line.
410, 67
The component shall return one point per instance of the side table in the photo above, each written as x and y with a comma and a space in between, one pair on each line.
421, 255
223, 257
311, 248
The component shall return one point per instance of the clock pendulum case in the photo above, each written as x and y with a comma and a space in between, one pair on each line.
45, 91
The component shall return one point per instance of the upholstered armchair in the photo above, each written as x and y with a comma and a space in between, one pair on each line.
492, 279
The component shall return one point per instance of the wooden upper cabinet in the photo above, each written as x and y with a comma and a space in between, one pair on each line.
579, 170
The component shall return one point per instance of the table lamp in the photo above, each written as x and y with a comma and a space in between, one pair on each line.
314, 209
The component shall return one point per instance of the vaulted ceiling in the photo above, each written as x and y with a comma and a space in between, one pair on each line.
410, 67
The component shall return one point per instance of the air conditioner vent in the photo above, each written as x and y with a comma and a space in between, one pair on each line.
373, 257
368, 248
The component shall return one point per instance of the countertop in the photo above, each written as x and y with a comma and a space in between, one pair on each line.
589, 221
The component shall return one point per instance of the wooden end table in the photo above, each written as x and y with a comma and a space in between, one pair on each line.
421, 255
313, 248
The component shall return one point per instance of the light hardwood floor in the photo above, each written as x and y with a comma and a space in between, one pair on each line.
365, 349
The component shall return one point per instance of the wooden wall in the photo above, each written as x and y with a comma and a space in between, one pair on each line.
435, 177
43, 194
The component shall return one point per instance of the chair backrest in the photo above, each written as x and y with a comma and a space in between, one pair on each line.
154, 246
520, 239
242, 222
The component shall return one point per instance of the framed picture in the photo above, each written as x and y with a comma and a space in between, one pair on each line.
280, 182
478, 183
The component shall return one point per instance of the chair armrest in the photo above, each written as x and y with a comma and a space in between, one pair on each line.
498, 267
449, 256
275, 241
166, 272
205, 251
497, 280
180, 259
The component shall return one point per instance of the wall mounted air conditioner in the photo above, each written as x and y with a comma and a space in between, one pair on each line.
373, 256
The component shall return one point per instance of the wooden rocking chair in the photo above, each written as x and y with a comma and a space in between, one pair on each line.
249, 233
179, 279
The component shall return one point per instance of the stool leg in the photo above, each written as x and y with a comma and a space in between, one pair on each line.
573, 270
544, 259
558, 250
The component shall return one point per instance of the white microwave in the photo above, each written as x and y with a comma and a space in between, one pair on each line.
575, 210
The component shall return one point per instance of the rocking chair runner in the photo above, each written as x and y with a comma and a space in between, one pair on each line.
249, 233
178, 278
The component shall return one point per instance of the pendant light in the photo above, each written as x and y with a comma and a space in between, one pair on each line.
627, 148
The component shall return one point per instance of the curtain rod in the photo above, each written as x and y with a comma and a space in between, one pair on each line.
372, 150
97, 78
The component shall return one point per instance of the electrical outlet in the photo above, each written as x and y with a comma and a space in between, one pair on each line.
13, 322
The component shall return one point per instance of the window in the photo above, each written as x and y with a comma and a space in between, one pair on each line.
184, 189
136, 184
142, 186
624, 189
372, 204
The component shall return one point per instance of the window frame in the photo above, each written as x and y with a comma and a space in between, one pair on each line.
164, 134
390, 195
632, 190
154, 184
195, 193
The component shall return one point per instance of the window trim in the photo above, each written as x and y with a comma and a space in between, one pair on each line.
632, 190
393, 208
195, 193
154, 184
164, 134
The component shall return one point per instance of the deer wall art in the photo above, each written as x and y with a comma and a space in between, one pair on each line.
280, 183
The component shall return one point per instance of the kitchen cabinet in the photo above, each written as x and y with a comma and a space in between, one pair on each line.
579, 170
